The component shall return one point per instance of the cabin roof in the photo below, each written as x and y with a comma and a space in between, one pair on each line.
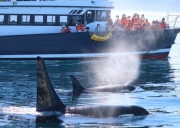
59, 3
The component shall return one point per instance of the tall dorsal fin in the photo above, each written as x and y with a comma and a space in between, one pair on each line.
76, 85
47, 99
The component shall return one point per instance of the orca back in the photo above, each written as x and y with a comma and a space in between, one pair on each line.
47, 99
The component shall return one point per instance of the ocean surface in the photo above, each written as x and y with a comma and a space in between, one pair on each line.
157, 85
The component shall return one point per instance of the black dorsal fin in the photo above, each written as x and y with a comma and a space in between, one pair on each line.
76, 85
47, 99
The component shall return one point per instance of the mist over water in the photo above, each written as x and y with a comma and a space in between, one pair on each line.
120, 69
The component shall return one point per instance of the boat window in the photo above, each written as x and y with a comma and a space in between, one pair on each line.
79, 11
12, 19
63, 20
25, 19
71, 11
102, 15
38, 19
1, 19
75, 19
51, 20
74, 11
89, 14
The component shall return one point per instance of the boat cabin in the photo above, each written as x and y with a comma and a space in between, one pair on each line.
37, 17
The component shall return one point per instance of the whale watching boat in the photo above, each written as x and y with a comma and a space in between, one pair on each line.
32, 28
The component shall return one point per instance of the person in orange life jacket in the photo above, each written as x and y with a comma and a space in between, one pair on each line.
67, 30
97, 29
79, 26
139, 24
63, 29
163, 24
147, 22
135, 19
129, 25
118, 21
124, 20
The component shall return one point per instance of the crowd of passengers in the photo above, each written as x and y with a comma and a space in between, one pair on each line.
79, 28
134, 23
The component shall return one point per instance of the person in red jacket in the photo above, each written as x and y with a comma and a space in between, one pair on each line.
67, 30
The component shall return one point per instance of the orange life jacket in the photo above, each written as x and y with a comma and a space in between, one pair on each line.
79, 27
163, 25
129, 26
135, 20
124, 21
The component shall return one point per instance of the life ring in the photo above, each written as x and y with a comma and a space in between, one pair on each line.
101, 38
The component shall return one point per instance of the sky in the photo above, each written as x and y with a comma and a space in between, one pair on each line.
152, 9
148, 5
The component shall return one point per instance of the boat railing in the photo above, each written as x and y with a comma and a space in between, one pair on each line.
173, 21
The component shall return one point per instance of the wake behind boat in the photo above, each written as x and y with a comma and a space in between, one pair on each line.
35, 31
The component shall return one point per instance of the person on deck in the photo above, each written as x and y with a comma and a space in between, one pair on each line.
129, 25
135, 28
79, 26
97, 29
134, 19
118, 21
110, 22
124, 20
108, 28
86, 29
147, 22
163, 24
63, 29
142, 28
142, 18
67, 30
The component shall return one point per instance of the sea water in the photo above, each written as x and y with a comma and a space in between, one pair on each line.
157, 90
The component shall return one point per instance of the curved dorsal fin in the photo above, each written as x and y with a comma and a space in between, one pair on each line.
47, 99
76, 85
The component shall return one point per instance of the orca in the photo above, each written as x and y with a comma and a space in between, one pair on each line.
48, 100
78, 88
43, 121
